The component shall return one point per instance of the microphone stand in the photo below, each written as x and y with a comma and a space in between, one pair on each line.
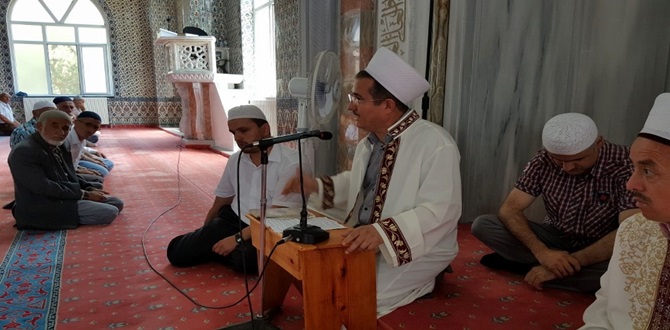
260, 321
304, 233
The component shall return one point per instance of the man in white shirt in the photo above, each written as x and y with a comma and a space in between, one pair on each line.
79, 107
7, 121
220, 239
85, 125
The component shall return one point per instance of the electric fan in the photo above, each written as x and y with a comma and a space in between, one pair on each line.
318, 99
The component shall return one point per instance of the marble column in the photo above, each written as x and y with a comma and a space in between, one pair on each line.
357, 35
512, 65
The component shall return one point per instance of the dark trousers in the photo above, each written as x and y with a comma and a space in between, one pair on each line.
195, 247
6, 130
492, 232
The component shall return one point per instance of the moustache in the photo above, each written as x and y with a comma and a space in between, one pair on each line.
641, 197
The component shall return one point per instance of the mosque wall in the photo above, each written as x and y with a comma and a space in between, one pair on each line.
512, 65
142, 95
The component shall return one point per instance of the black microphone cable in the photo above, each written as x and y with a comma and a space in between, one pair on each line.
177, 203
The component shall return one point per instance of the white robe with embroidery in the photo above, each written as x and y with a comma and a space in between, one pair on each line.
628, 290
419, 218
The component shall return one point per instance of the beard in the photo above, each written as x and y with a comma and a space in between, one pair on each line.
55, 143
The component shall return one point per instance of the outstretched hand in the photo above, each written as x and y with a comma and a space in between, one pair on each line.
293, 184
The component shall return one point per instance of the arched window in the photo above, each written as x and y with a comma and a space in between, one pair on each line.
59, 47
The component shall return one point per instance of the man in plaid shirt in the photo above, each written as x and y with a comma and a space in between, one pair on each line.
582, 179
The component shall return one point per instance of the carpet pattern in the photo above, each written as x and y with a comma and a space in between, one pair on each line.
30, 276
474, 297
106, 282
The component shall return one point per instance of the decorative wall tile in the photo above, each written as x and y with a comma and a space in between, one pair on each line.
201, 15
288, 57
6, 76
132, 111
226, 25
287, 115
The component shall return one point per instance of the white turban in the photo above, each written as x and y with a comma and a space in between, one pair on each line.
658, 121
398, 77
569, 134
247, 111
44, 104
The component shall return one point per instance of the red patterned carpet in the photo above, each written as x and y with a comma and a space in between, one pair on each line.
106, 281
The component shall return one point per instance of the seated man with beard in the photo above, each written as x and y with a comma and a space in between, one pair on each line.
49, 195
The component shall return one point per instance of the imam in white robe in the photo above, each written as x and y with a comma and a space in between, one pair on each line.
416, 209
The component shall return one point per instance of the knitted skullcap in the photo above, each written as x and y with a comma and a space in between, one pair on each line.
60, 99
569, 134
397, 76
77, 98
43, 104
89, 114
247, 111
658, 121
54, 114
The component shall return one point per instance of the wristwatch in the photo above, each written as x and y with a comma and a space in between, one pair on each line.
239, 239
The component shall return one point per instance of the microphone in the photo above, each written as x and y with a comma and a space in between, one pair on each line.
268, 142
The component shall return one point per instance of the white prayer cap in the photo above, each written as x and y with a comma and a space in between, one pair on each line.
43, 104
658, 121
54, 114
247, 111
569, 133
397, 76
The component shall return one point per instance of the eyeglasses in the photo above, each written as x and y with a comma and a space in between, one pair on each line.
355, 100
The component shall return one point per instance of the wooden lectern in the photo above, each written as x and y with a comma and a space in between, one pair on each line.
337, 289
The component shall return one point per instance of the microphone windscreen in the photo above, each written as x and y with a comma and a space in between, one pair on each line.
326, 135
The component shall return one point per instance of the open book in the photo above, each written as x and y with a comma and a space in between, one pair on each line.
279, 219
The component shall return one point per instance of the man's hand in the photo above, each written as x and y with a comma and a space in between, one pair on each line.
560, 263
95, 196
83, 170
99, 161
293, 184
225, 246
538, 275
363, 238
5, 119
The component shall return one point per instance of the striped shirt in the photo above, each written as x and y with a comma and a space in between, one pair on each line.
584, 207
